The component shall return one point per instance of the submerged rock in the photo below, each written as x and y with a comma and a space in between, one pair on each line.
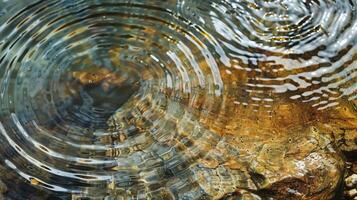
3, 187
341, 123
351, 183
303, 166
248, 159
294, 152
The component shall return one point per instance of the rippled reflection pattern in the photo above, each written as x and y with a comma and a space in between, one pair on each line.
131, 99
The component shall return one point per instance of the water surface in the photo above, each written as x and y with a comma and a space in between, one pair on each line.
125, 98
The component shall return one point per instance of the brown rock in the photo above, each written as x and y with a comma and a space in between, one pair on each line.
304, 165
351, 181
342, 125
307, 168
3, 187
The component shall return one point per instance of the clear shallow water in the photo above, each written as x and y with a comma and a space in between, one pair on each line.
123, 98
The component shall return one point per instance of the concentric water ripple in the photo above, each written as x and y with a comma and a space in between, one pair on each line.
128, 98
